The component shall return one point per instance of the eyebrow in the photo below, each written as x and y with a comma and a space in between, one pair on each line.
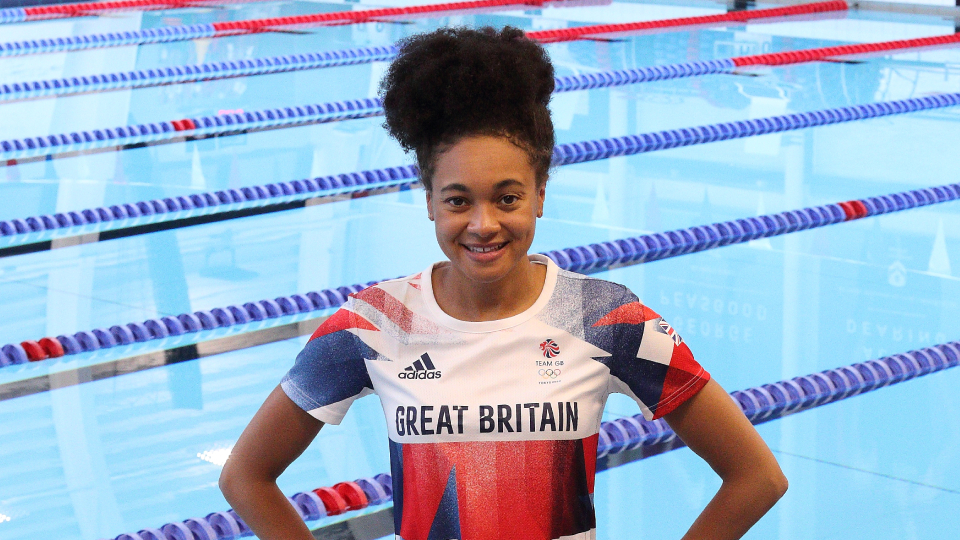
500, 185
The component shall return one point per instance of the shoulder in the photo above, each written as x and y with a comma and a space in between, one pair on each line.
395, 306
404, 290
596, 294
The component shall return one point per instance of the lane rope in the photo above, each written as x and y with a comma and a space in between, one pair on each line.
586, 259
564, 154
168, 34
361, 55
759, 404
580, 32
31, 148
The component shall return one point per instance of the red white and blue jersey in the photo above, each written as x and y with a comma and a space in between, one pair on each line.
493, 425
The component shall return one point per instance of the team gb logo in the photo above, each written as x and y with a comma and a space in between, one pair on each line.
550, 348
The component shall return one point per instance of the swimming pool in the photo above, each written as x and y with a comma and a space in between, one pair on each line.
140, 449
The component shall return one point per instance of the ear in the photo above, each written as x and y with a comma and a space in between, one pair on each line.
429, 193
541, 196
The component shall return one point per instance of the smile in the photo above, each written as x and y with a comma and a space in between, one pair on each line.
485, 249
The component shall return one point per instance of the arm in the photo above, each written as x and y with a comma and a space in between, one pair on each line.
712, 425
277, 435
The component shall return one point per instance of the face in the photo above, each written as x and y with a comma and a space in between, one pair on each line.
485, 203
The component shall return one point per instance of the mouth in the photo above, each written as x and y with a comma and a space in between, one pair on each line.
481, 249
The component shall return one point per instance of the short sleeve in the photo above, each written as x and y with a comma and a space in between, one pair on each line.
649, 361
330, 372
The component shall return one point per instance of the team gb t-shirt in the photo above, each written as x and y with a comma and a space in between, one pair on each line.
493, 425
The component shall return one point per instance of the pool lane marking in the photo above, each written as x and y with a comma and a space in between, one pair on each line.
232, 28
867, 471
25, 235
593, 258
12, 92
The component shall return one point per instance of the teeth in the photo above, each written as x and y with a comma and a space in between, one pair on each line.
485, 249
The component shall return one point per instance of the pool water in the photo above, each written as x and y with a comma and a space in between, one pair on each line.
97, 459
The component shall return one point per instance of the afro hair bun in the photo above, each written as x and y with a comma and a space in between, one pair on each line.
456, 82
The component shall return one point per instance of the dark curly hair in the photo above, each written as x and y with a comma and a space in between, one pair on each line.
457, 82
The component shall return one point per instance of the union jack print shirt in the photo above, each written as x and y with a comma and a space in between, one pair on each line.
493, 425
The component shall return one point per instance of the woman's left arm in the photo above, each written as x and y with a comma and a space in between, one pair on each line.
712, 425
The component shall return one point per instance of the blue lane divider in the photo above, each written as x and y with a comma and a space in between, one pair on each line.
776, 400
207, 126
193, 127
296, 62
675, 138
163, 34
563, 154
759, 404
587, 259
195, 72
139, 213
12, 15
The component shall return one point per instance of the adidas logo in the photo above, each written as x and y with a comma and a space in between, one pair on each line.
420, 369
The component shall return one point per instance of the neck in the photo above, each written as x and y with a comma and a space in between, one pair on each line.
468, 300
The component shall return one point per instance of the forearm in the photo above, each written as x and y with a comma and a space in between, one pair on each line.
265, 510
736, 507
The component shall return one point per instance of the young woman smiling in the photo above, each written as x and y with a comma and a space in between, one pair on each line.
492, 367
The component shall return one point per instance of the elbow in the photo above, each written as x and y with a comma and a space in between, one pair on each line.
782, 485
229, 483
777, 484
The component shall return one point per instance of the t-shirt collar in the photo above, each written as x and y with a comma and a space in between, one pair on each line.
474, 327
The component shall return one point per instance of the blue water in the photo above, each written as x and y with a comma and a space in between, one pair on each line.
99, 459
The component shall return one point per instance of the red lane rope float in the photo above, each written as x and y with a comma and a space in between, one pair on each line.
570, 34
332, 500
353, 17
812, 55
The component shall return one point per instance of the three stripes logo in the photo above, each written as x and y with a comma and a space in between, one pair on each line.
422, 368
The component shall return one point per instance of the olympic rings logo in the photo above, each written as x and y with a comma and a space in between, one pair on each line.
549, 373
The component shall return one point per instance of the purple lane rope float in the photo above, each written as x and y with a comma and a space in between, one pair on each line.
235, 123
195, 72
592, 258
759, 404
564, 154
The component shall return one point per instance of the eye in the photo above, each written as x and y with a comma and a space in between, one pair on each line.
456, 202
509, 199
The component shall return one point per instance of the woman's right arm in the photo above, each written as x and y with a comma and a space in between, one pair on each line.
277, 435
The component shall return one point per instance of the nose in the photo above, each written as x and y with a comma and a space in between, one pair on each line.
484, 222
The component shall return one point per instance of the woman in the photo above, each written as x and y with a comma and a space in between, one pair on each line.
492, 368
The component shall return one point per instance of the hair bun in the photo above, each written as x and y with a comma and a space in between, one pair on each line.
455, 82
